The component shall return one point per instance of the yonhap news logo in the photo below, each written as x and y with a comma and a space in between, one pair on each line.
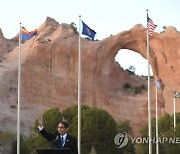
121, 140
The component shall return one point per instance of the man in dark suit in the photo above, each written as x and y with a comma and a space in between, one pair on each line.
60, 139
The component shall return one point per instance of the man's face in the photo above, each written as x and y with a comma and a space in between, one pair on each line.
61, 129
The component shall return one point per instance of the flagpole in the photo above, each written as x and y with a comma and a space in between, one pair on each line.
174, 114
79, 89
19, 93
149, 96
157, 144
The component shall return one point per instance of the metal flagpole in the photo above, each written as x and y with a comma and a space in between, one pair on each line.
174, 114
157, 144
149, 96
19, 93
79, 89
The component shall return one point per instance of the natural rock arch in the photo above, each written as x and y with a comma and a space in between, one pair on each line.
49, 76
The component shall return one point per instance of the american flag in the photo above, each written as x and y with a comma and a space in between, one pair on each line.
150, 26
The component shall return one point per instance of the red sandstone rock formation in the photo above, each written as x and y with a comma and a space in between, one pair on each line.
49, 74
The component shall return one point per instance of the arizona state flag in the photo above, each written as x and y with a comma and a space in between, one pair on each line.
88, 31
28, 35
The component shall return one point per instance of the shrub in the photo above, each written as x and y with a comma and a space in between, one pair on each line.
137, 90
127, 86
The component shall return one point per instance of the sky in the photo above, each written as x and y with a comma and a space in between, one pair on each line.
106, 17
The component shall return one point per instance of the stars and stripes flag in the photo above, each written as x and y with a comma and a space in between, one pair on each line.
150, 26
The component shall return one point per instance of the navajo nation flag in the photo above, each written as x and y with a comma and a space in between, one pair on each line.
150, 26
88, 31
26, 35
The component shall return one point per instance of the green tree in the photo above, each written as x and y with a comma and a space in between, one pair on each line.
124, 126
6, 139
166, 129
51, 119
73, 25
70, 113
98, 129
131, 70
14, 145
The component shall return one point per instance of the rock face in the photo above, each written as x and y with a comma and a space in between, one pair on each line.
6, 45
50, 70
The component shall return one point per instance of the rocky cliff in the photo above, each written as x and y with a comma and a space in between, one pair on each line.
50, 67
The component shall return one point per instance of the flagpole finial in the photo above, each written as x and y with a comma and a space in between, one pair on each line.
147, 10
79, 16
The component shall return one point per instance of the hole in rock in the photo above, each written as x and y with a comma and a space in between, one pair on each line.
133, 61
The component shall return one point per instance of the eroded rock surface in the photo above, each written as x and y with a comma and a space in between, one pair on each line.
50, 67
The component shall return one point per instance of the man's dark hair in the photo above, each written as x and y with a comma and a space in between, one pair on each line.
66, 125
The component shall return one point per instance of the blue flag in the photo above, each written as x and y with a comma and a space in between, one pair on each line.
88, 31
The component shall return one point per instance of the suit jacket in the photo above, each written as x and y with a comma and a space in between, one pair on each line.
54, 138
